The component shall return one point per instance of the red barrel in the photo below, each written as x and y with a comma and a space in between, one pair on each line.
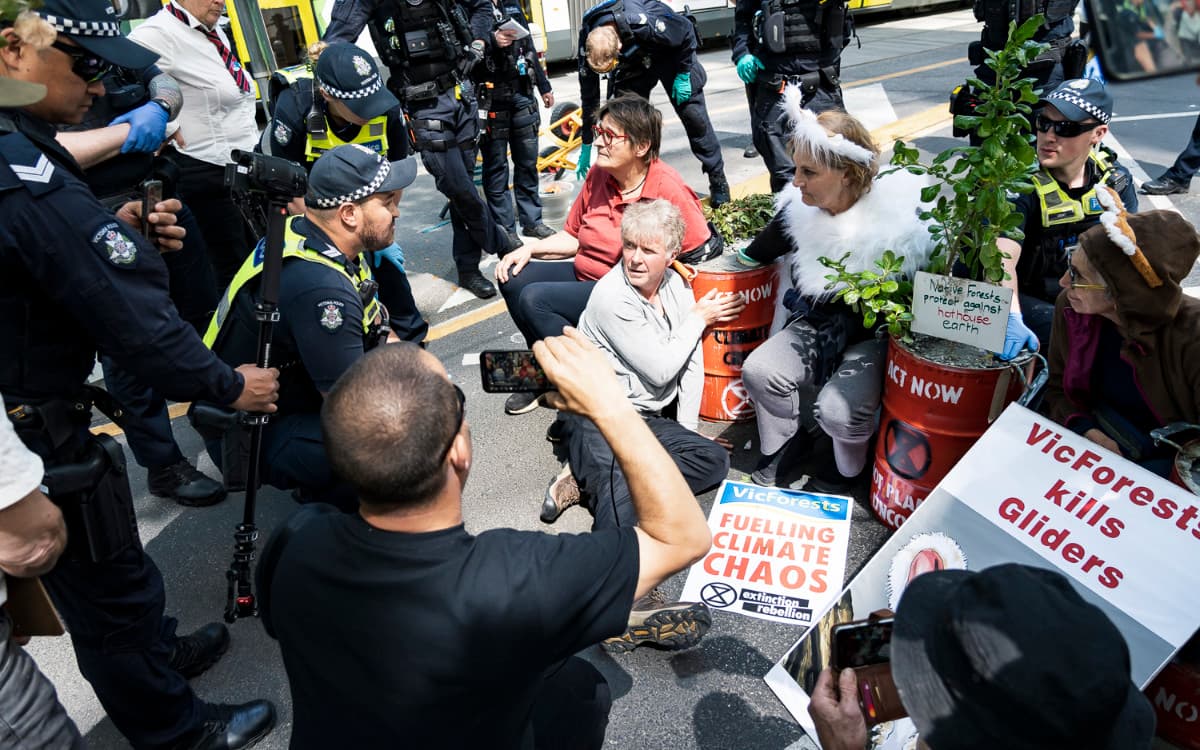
932, 414
725, 348
1175, 695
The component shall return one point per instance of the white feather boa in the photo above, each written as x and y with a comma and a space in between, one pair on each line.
885, 218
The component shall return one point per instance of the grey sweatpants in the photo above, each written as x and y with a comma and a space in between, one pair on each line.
31, 718
780, 378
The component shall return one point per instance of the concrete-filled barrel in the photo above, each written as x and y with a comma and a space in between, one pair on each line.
932, 414
728, 345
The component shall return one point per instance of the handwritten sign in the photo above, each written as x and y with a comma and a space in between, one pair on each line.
969, 312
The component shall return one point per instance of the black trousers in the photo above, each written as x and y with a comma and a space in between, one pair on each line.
446, 129
396, 295
571, 711
1188, 161
544, 297
519, 135
771, 129
703, 463
194, 292
692, 113
229, 239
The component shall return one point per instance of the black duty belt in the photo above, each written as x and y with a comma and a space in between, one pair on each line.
60, 418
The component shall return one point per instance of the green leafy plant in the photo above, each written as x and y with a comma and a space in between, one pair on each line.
970, 193
742, 218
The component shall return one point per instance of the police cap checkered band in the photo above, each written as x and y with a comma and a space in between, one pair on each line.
1081, 99
362, 93
370, 188
72, 27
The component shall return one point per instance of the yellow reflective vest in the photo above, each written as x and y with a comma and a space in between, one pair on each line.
1059, 208
373, 134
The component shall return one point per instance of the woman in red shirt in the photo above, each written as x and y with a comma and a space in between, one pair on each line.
544, 293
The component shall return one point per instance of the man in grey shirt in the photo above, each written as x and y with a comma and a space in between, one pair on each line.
643, 316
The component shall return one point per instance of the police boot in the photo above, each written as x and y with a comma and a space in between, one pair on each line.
229, 727
718, 190
184, 484
192, 655
474, 283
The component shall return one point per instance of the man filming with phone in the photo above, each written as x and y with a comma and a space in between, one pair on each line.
398, 626
329, 312
1008, 657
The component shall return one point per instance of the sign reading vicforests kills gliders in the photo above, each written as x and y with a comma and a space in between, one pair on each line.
776, 554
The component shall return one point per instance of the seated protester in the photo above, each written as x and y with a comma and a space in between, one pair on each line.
398, 627
819, 362
1008, 657
1071, 123
543, 297
1125, 356
643, 316
351, 105
329, 314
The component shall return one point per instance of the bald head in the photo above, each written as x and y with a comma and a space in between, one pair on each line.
387, 422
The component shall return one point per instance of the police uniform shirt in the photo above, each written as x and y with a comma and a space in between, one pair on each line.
349, 17
74, 279
287, 133
1037, 275
319, 333
744, 41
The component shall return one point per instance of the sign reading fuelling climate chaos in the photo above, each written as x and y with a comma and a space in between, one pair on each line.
970, 312
776, 554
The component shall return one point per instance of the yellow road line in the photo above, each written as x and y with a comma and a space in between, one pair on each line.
899, 73
110, 428
466, 320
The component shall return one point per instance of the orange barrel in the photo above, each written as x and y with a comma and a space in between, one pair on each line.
725, 348
932, 413
1175, 695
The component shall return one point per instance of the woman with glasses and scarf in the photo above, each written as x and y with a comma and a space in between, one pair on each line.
544, 295
1125, 347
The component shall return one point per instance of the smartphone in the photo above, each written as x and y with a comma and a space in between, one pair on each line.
865, 646
515, 371
151, 196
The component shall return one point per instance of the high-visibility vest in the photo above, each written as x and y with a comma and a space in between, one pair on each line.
372, 134
1059, 208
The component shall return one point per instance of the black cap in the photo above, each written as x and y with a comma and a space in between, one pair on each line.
1013, 657
351, 172
1081, 99
349, 75
95, 26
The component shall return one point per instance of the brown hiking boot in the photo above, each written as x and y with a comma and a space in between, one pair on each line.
562, 493
672, 626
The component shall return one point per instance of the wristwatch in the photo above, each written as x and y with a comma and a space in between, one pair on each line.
162, 103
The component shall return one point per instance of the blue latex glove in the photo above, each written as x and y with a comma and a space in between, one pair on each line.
682, 90
392, 253
1017, 337
748, 67
585, 161
147, 128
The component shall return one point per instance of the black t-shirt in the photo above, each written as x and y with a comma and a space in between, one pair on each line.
1039, 267
441, 639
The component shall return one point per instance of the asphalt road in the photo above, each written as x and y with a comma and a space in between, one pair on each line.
709, 697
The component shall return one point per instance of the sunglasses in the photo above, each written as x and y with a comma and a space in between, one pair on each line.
1064, 128
86, 65
607, 135
1074, 276
462, 414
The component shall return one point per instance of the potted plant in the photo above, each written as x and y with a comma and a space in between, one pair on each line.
939, 396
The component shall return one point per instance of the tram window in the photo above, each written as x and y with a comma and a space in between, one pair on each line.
286, 32
1145, 38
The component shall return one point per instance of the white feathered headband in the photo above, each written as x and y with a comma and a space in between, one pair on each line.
806, 129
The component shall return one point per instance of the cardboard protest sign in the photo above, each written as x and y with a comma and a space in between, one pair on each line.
777, 554
970, 312
1033, 492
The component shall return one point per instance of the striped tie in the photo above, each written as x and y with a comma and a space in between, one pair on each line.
235, 68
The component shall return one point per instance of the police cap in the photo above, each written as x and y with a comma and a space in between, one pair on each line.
349, 75
351, 172
1081, 99
95, 26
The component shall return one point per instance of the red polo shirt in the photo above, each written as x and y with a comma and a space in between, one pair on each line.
595, 218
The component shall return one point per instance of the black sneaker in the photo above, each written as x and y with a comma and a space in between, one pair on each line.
477, 285
1164, 186
718, 190
556, 431
539, 231
654, 621
185, 484
520, 403
231, 727
192, 655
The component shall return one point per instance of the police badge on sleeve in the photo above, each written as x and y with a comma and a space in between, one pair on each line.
329, 314
112, 242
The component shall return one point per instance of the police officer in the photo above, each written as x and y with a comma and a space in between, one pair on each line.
75, 278
777, 42
1065, 58
430, 47
328, 309
1072, 164
505, 81
344, 101
116, 144
637, 44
